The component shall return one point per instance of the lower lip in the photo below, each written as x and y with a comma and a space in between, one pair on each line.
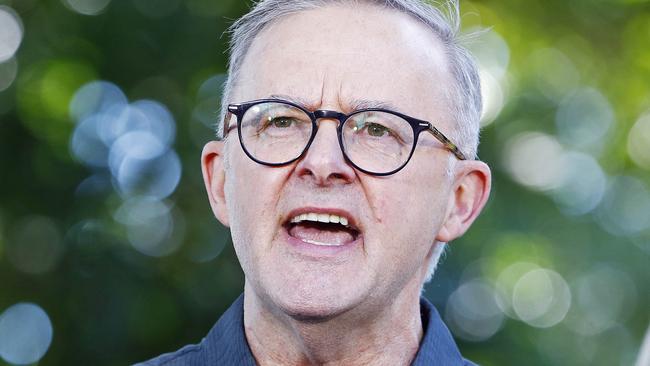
313, 250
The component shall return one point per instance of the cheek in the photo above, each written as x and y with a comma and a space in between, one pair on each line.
247, 184
409, 210
409, 200
251, 192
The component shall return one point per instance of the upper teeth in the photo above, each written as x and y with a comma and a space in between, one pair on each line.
315, 217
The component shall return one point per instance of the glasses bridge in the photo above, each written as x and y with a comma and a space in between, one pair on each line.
323, 113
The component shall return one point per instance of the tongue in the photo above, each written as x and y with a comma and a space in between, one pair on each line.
321, 235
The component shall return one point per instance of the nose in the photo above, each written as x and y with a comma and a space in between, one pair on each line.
324, 161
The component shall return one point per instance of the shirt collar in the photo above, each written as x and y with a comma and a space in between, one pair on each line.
226, 343
437, 346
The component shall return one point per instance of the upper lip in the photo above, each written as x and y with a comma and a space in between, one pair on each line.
352, 221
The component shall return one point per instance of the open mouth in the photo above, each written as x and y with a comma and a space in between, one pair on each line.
322, 229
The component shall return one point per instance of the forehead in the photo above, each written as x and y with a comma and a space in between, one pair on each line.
338, 54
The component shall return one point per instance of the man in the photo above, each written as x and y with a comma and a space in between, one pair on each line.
347, 163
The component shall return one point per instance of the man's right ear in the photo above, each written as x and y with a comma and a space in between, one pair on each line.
214, 177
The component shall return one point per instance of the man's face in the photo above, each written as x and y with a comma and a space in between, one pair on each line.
332, 58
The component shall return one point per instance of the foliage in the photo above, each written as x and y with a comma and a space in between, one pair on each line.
556, 270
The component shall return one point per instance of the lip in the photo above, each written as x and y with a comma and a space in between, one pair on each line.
320, 251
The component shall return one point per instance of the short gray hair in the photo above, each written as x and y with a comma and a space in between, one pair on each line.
443, 20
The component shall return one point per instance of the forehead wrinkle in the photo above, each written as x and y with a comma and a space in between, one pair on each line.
303, 102
353, 105
292, 95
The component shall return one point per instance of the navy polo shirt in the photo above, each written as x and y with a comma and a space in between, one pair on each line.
226, 343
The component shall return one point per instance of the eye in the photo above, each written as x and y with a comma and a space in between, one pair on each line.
277, 123
376, 130
281, 122
373, 129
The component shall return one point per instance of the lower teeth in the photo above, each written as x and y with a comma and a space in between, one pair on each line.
321, 244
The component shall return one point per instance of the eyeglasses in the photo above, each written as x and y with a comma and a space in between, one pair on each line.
376, 141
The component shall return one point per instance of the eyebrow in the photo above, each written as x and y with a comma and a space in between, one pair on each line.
353, 105
358, 104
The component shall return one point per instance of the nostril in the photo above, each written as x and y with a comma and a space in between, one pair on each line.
337, 176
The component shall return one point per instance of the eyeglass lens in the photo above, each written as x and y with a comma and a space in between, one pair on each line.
374, 141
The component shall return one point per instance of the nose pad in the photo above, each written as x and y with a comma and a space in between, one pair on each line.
324, 160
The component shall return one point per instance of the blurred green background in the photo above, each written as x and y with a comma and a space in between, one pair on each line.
109, 253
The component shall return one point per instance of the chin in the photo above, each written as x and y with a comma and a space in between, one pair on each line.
314, 304
312, 290
313, 312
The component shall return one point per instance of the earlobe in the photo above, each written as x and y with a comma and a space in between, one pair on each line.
214, 177
470, 194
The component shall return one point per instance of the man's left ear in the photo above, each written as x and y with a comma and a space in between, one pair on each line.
471, 190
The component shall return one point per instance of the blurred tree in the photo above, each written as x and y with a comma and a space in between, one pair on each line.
116, 243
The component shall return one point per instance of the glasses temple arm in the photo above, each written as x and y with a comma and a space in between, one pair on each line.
445, 141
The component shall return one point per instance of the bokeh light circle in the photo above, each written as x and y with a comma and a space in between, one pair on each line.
493, 57
493, 97
87, 7
143, 116
535, 160
583, 184
625, 207
157, 177
584, 118
25, 334
160, 120
149, 224
204, 119
86, 145
603, 296
132, 140
541, 298
556, 75
11, 33
505, 285
141, 145
122, 119
492, 53
638, 142
8, 72
95, 97
209, 100
472, 312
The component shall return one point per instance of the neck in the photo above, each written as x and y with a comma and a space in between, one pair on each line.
374, 335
